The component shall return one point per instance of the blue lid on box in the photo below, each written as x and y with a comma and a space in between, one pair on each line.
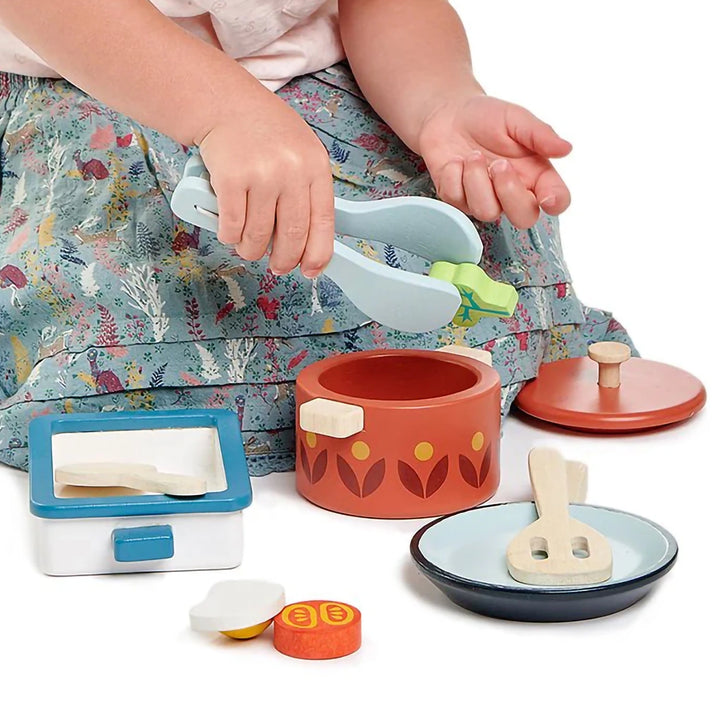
44, 503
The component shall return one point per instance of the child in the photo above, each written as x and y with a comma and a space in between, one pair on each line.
109, 302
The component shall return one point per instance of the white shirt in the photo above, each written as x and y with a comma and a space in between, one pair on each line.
275, 40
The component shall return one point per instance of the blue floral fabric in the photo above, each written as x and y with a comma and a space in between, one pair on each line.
110, 302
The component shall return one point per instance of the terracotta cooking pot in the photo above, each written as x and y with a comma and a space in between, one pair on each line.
398, 433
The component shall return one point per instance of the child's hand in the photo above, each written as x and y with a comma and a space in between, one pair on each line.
270, 172
487, 156
273, 182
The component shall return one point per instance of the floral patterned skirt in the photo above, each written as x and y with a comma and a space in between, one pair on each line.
109, 302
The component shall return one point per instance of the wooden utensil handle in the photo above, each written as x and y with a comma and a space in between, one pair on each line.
130, 475
548, 477
577, 481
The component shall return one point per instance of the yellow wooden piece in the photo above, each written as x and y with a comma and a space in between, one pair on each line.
248, 633
240, 609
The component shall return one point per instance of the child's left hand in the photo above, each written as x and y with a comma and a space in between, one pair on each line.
487, 156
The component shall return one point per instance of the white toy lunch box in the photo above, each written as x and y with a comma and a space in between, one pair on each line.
87, 531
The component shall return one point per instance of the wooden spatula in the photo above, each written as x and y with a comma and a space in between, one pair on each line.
556, 549
577, 481
130, 475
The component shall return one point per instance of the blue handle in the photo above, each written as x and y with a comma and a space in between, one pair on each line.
402, 300
424, 226
137, 544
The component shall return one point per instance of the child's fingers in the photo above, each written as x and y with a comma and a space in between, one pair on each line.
232, 205
551, 192
535, 135
291, 229
479, 192
321, 236
518, 203
449, 184
259, 222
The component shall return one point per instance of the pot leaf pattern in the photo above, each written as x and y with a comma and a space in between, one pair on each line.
372, 481
315, 473
437, 476
467, 470
436, 479
485, 467
319, 467
410, 479
470, 475
305, 462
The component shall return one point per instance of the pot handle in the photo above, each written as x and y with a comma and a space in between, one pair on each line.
331, 418
481, 356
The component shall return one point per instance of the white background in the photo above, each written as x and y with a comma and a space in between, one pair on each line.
633, 85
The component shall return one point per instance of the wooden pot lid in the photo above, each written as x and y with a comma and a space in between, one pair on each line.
609, 391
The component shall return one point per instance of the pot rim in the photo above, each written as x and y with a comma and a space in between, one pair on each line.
486, 379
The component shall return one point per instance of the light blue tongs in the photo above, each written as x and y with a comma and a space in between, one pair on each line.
397, 298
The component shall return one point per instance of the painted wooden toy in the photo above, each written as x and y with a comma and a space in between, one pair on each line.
456, 289
96, 530
240, 609
610, 391
462, 555
556, 549
318, 630
480, 295
398, 433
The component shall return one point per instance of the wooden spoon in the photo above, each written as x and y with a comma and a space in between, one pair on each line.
556, 549
129, 475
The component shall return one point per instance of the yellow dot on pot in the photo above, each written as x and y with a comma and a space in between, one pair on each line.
360, 450
478, 440
311, 439
424, 451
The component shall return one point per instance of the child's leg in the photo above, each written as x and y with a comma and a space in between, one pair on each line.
107, 302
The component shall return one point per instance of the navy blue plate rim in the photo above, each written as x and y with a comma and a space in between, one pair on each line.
598, 590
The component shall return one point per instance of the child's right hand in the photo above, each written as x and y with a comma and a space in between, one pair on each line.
270, 172
273, 182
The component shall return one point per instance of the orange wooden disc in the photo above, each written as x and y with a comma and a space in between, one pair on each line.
317, 630
651, 394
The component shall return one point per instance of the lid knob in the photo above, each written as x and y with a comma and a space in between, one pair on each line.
609, 356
